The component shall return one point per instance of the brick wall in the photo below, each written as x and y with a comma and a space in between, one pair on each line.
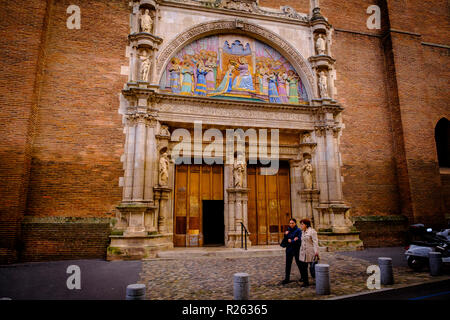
22, 32
376, 231
64, 238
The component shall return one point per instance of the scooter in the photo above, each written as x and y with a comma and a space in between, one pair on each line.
417, 252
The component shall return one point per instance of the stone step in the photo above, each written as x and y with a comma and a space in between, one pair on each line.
209, 252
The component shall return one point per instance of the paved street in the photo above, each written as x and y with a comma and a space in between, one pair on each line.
212, 277
47, 280
204, 277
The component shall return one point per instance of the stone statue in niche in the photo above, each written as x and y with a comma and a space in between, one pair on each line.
323, 85
145, 66
321, 44
164, 169
146, 22
239, 171
307, 138
307, 170
164, 131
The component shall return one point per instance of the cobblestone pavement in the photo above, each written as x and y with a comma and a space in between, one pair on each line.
211, 278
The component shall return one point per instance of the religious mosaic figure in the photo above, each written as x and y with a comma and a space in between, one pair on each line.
320, 45
200, 88
164, 169
146, 22
243, 81
187, 83
145, 66
226, 84
293, 87
175, 75
211, 68
282, 83
273, 90
323, 85
307, 170
239, 171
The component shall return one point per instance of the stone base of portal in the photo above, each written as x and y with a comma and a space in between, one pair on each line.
236, 240
335, 229
332, 241
138, 246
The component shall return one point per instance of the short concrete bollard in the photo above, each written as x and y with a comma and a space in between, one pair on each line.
322, 279
435, 260
241, 286
386, 272
135, 292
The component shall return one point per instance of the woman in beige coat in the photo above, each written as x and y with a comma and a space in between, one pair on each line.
308, 250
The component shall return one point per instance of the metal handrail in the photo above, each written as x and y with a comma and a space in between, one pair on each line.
242, 236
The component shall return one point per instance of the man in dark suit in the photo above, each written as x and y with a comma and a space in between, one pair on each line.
293, 240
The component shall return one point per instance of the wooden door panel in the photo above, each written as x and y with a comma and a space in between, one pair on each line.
194, 183
251, 205
269, 204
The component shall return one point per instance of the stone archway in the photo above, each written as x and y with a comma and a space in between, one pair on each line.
238, 26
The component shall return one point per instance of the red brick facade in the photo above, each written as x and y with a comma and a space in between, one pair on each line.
62, 135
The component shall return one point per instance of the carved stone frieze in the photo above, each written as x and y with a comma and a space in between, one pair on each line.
245, 6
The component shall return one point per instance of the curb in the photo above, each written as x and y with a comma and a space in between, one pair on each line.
386, 289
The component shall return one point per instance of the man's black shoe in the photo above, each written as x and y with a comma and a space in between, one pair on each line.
285, 281
301, 280
304, 285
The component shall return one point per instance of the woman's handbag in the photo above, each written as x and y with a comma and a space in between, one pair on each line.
284, 242
312, 266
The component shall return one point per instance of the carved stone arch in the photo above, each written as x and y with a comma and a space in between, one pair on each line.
268, 37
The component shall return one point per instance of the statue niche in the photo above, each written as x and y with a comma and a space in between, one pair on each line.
145, 65
146, 22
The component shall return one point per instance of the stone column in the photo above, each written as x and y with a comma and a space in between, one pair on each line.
333, 170
129, 160
162, 195
139, 159
150, 162
295, 175
237, 206
321, 166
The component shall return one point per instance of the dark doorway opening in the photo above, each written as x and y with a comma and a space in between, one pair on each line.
442, 136
213, 223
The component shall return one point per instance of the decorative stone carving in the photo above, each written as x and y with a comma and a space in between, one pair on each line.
146, 22
306, 138
236, 5
164, 169
164, 131
145, 65
239, 171
307, 170
321, 44
252, 6
323, 84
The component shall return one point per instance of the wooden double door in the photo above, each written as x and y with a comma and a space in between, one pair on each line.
269, 204
199, 196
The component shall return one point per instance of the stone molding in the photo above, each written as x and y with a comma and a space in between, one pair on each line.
285, 14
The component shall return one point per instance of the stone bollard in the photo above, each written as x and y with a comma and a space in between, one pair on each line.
435, 260
241, 286
386, 273
322, 279
135, 292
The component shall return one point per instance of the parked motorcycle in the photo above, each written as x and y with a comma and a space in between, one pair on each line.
423, 241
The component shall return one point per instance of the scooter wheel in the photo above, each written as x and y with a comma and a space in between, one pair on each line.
416, 264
